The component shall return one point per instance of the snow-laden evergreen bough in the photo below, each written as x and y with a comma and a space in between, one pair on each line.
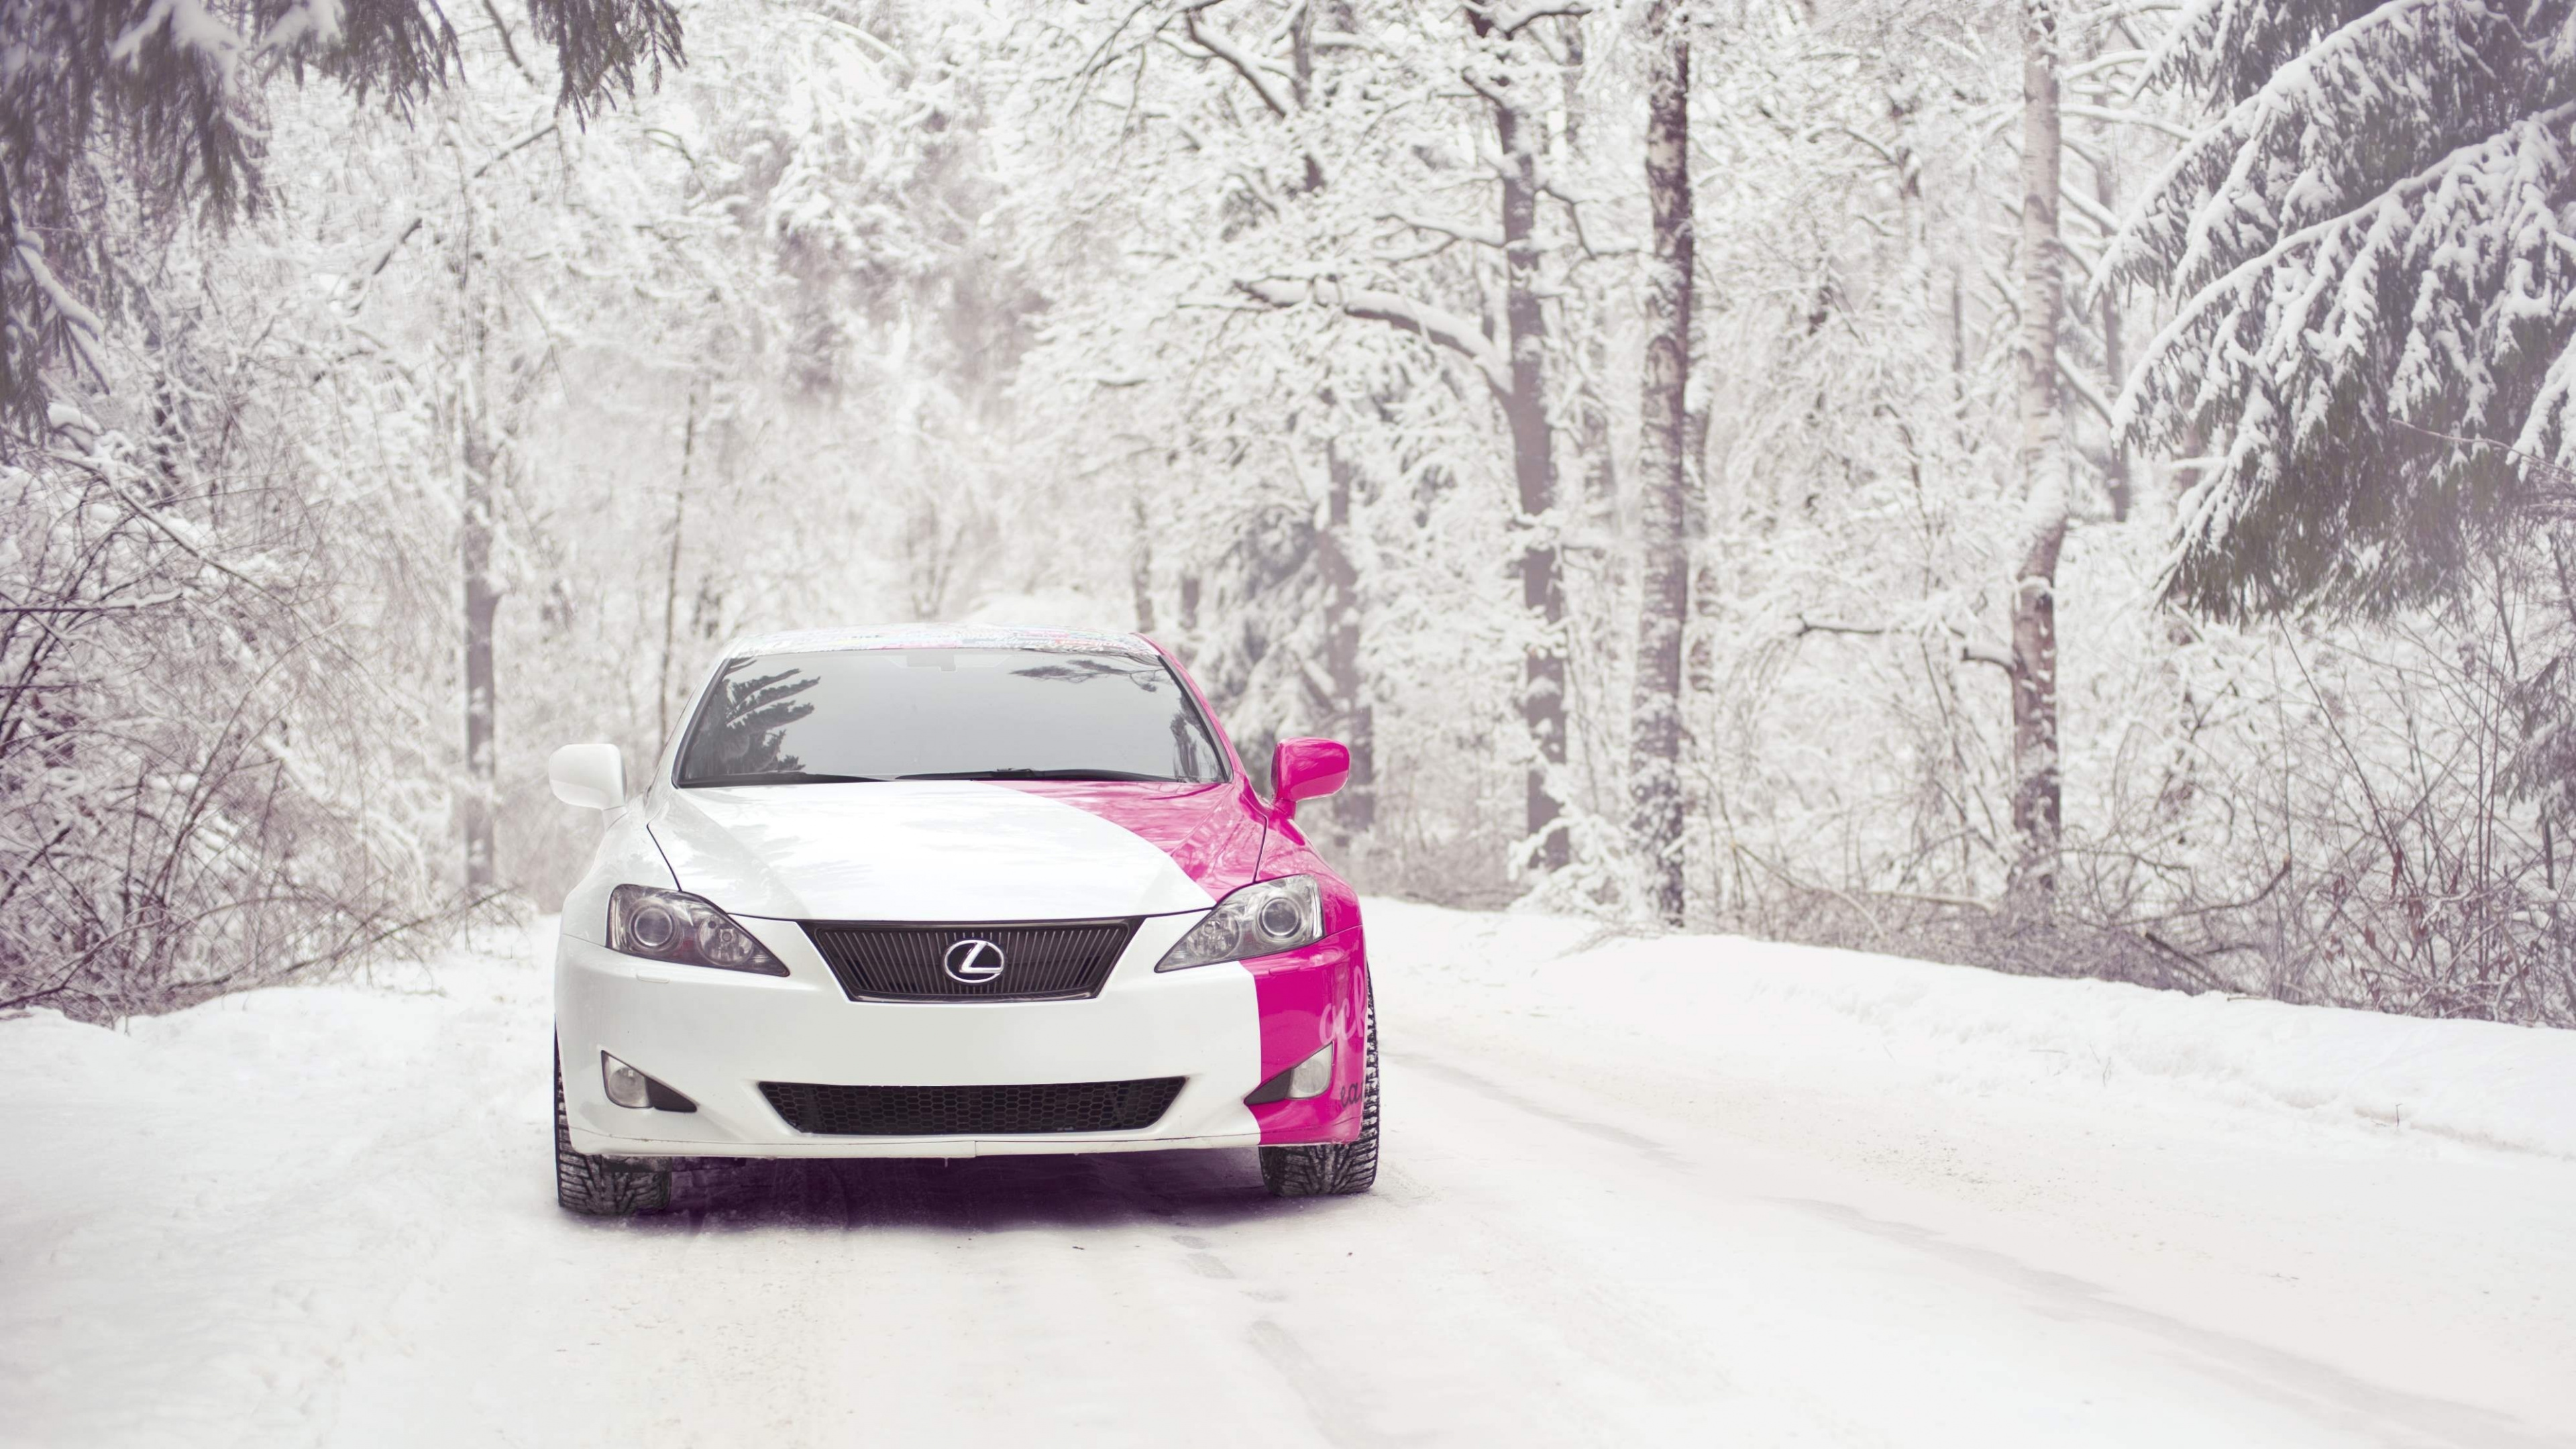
2374, 251
211, 772
162, 103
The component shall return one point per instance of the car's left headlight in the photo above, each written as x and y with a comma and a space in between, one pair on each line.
1263, 917
675, 926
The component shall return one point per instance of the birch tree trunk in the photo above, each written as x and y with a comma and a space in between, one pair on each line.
1663, 574
2032, 889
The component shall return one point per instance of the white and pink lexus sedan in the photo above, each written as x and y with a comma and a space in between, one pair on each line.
937, 891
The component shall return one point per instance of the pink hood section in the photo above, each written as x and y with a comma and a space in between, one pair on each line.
1212, 832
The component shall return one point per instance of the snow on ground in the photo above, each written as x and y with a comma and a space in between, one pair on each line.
1636, 1191
1783, 1009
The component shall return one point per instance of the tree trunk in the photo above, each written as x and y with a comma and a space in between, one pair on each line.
2115, 367
480, 458
1140, 561
2032, 888
1592, 448
1702, 732
1600, 477
1354, 808
482, 601
1663, 573
1533, 466
671, 571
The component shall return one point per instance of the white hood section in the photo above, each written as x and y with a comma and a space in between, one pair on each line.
912, 850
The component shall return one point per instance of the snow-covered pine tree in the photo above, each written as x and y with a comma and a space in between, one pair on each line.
2373, 254
102, 96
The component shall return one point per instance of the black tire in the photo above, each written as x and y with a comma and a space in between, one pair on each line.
1332, 1169
601, 1187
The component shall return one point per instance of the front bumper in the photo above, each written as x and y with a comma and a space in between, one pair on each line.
716, 1035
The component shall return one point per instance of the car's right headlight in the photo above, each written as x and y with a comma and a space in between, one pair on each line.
1263, 917
671, 926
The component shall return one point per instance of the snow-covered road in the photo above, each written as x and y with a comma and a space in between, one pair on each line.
1636, 1192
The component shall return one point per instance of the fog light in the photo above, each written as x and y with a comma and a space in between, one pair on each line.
627, 1087
1312, 1077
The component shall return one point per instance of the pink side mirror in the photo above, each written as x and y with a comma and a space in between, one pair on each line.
1304, 769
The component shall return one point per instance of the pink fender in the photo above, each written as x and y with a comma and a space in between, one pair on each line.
1309, 997
1224, 836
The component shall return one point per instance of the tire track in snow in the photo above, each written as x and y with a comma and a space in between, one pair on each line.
1333, 1402
2316, 1390
1647, 1147
1328, 1397
2321, 1390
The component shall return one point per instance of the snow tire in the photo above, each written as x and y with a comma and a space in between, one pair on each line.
601, 1187
1332, 1169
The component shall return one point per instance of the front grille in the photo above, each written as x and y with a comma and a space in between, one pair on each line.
1042, 960
980, 1111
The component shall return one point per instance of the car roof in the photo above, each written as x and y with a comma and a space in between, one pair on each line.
1037, 637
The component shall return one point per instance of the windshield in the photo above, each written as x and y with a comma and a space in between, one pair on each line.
946, 714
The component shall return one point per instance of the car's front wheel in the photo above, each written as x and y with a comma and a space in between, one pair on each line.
1326, 1169
601, 1187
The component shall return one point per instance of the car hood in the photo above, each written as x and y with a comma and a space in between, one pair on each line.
959, 850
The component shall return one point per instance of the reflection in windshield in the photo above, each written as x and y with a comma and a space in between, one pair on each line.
883, 714
750, 719
1193, 753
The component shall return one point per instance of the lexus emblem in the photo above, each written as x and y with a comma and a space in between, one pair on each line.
972, 961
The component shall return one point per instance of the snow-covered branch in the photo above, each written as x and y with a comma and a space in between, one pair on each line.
2084, 388
1510, 20
81, 325
2106, 61
1455, 231
1254, 74
2129, 118
1458, 334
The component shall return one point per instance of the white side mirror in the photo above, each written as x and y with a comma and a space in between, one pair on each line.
591, 776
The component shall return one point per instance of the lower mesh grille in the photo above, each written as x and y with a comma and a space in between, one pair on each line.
980, 1111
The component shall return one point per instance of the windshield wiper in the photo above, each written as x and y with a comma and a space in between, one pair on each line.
781, 777
1022, 772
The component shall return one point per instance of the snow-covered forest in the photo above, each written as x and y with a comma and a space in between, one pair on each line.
2077, 487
